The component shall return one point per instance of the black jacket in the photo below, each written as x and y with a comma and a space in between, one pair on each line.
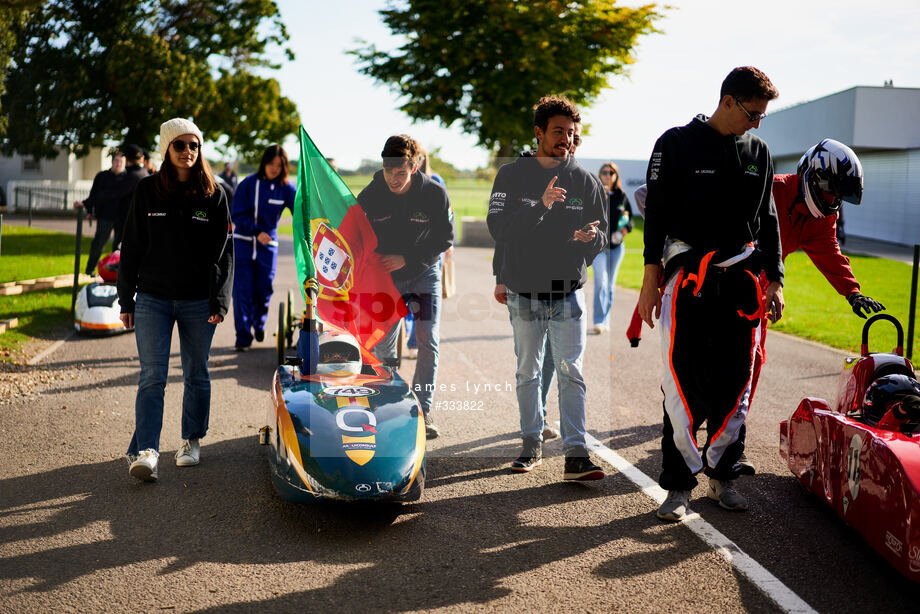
177, 248
538, 256
416, 225
104, 196
712, 192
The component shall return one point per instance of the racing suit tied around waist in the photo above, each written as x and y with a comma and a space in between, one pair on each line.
711, 313
697, 266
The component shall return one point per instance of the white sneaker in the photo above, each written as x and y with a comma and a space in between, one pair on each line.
188, 454
724, 492
145, 467
675, 506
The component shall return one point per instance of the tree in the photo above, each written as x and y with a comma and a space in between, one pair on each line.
84, 72
13, 13
484, 63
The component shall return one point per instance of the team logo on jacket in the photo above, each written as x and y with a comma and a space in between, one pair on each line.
419, 216
200, 215
333, 260
752, 170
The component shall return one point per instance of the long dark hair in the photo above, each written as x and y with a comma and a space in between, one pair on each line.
272, 152
167, 178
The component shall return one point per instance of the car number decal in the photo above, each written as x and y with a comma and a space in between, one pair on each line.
853, 469
350, 391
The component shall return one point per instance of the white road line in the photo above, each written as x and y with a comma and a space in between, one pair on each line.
754, 571
35, 359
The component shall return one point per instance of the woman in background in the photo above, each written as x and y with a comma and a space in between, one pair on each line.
258, 203
607, 263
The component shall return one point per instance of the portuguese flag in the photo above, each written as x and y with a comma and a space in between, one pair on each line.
334, 247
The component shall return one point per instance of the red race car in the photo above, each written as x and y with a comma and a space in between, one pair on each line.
862, 457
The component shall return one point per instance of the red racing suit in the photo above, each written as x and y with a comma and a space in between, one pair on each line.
817, 237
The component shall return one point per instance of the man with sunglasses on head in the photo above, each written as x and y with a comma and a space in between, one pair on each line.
710, 222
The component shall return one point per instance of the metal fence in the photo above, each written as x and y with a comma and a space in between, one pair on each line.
45, 196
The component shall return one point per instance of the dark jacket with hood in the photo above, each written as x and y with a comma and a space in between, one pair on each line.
712, 192
177, 247
416, 225
538, 256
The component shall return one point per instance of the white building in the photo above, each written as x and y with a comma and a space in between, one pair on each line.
49, 182
880, 124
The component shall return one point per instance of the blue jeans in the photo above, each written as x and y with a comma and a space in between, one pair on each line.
546, 376
153, 325
563, 321
606, 266
423, 297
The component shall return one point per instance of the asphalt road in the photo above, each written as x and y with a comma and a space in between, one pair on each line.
77, 533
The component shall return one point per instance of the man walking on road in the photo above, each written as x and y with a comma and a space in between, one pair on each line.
551, 217
709, 203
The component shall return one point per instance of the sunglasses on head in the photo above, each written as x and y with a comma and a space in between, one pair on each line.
180, 146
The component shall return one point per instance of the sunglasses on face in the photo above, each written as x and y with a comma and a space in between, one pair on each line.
180, 146
752, 117
607, 171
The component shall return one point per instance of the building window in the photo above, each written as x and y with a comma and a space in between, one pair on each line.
31, 164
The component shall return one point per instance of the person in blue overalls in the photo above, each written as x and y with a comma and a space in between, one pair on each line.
258, 203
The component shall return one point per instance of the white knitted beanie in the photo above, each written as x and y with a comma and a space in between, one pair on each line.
176, 127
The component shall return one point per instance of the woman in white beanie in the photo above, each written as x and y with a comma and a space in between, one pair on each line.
177, 257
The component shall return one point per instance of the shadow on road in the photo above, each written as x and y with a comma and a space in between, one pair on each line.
437, 552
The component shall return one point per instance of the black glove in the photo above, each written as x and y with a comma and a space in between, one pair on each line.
860, 303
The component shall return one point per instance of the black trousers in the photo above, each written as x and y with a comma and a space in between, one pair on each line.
103, 230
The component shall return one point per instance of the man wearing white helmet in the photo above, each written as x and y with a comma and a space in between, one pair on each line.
807, 204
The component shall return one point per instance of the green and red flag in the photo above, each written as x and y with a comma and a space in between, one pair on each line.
334, 248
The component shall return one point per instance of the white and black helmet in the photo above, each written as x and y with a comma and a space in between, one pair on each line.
339, 354
830, 172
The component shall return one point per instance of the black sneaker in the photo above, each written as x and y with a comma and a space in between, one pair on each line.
241, 348
431, 429
747, 467
581, 468
260, 336
531, 456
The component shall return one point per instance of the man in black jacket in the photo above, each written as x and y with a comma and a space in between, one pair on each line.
134, 172
102, 204
551, 217
410, 215
710, 222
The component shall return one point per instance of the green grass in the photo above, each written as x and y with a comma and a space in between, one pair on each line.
30, 253
814, 310
42, 314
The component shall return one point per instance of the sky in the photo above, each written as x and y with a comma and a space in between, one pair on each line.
808, 48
